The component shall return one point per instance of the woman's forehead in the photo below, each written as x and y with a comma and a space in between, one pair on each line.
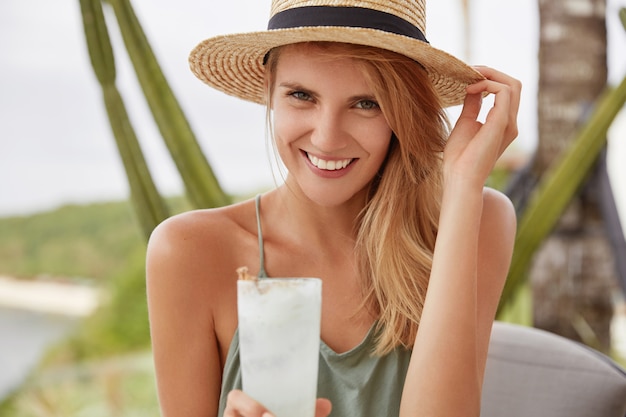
318, 66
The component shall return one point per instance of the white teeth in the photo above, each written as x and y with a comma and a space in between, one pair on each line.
328, 165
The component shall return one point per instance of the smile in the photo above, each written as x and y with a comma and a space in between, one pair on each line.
329, 165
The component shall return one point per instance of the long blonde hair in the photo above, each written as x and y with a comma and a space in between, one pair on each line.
397, 228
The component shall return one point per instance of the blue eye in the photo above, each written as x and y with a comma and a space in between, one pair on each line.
367, 105
300, 95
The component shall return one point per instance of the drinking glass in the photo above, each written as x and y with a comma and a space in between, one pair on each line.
279, 338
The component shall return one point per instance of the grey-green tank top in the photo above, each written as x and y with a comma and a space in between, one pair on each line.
358, 383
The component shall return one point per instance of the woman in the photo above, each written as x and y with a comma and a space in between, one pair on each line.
380, 200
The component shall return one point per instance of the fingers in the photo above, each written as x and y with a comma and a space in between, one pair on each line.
322, 407
474, 147
238, 404
471, 106
512, 99
500, 77
467, 124
499, 114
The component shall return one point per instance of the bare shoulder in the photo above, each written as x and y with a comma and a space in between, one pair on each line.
196, 235
192, 258
497, 233
498, 208
204, 237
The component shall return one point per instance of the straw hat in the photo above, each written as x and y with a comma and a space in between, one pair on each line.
234, 63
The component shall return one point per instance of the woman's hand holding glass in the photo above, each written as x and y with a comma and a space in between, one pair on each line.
239, 404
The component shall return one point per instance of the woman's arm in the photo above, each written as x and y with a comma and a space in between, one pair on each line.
470, 264
184, 343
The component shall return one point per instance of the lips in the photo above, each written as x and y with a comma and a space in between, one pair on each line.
329, 165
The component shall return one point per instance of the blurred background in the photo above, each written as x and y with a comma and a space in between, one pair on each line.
73, 327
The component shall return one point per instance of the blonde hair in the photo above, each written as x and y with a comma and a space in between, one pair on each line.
397, 229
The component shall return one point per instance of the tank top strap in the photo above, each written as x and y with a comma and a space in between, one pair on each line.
257, 204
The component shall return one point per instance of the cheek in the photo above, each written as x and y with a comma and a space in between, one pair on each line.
286, 127
378, 139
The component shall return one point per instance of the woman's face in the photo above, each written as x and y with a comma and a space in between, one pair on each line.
328, 127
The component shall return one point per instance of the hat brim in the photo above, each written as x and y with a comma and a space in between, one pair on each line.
234, 63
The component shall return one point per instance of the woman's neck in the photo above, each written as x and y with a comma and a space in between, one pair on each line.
320, 224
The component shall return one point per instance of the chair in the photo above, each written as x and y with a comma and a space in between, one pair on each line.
534, 373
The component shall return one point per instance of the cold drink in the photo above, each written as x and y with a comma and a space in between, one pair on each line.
279, 338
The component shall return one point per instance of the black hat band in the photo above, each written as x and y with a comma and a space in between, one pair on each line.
358, 17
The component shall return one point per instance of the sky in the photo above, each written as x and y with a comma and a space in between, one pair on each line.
56, 147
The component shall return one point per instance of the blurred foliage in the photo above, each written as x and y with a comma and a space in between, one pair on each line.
88, 242
72, 241
115, 387
110, 248
104, 368
120, 325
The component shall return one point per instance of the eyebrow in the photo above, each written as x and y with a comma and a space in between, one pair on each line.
362, 97
296, 86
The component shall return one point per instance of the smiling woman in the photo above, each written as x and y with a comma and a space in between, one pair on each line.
382, 201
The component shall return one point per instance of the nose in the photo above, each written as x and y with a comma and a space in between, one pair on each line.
329, 133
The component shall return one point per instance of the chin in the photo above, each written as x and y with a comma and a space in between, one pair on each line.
333, 199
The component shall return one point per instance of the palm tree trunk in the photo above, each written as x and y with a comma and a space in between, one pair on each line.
573, 274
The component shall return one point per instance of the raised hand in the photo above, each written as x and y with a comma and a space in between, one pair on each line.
474, 147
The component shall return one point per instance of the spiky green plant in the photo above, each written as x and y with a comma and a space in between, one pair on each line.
203, 189
149, 207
